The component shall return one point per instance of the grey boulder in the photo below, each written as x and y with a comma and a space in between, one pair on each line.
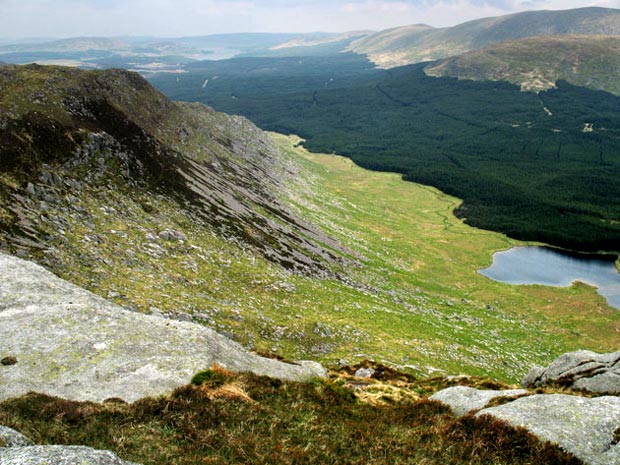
584, 370
73, 344
585, 427
11, 438
464, 399
58, 455
172, 235
364, 373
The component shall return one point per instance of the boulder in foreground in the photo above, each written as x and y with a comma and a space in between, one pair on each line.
587, 428
73, 344
58, 455
464, 399
582, 370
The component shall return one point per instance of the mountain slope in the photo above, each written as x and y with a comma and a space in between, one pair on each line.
537, 63
309, 45
222, 167
408, 45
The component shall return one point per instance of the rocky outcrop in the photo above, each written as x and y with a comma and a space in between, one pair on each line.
58, 455
464, 399
70, 343
67, 128
582, 370
588, 428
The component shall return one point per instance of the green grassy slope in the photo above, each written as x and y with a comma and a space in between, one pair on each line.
59, 122
401, 46
426, 260
538, 63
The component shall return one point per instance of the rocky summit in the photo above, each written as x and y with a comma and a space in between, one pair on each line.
70, 343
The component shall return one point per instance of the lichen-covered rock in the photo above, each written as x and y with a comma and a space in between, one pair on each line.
464, 399
585, 427
364, 373
172, 235
73, 344
583, 370
59, 455
11, 438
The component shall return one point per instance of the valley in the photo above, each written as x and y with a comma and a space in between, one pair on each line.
522, 162
316, 247
523, 145
310, 257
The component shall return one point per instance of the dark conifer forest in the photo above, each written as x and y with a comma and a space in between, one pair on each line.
535, 166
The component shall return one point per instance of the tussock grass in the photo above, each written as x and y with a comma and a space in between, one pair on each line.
284, 423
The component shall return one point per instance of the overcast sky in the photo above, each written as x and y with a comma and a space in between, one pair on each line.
71, 18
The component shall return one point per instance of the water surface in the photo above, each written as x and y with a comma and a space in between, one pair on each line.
550, 267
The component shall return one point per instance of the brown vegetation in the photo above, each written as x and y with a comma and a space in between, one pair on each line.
262, 420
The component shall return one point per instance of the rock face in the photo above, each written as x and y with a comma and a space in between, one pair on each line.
583, 370
73, 344
58, 455
464, 399
585, 427
364, 373
89, 125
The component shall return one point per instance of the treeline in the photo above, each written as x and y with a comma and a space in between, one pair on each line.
537, 167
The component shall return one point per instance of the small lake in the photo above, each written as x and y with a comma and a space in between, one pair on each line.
550, 267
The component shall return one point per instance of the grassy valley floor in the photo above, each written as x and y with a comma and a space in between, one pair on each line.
431, 308
409, 297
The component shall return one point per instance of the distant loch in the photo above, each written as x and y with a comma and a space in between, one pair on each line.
551, 267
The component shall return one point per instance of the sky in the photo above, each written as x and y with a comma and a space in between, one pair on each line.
173, 18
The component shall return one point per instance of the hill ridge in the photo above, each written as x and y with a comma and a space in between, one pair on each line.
201, 158
397, 47
537, 63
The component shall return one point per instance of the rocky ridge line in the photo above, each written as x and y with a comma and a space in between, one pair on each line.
221, 168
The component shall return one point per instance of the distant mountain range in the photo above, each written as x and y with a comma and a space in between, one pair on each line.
533, 49
146, 55
243, 42
413, 44
314, 40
